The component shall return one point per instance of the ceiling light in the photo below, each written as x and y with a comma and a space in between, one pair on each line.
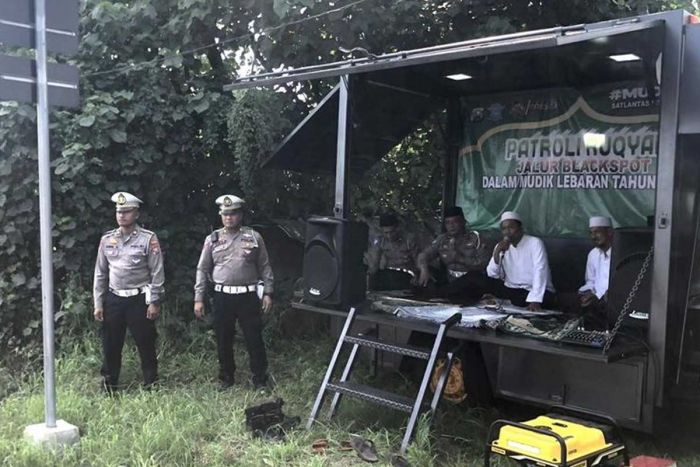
458, 77
625, 57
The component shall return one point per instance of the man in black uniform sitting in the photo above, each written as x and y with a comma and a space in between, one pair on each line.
392, 257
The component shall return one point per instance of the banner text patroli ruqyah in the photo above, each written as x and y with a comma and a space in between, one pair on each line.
559, 156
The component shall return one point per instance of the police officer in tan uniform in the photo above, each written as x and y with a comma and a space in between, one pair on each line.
459, 250
464, 255
392, 257
127, 289
235, 260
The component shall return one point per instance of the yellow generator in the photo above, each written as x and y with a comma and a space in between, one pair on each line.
558, 440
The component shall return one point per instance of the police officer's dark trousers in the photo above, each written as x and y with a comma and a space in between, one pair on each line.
121, 313
244, 308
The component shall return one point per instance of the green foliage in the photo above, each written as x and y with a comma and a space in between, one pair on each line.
188, 421
158, 131
256, 125
74, 321
383, 26
19, 246
408, 180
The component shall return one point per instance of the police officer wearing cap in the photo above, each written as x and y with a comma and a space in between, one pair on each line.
465, 255
392, 257
127, 289
235, 260
460, 250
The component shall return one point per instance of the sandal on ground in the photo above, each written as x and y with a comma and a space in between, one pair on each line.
365, 448
319, 446
345, 446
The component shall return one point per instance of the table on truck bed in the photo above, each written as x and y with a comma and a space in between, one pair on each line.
622, 347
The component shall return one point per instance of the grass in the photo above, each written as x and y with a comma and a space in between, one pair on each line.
188, 421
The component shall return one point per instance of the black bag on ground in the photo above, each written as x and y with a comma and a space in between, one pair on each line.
266, 420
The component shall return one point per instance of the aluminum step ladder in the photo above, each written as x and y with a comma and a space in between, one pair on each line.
413, 406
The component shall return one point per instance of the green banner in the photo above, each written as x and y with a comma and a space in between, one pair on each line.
559, 156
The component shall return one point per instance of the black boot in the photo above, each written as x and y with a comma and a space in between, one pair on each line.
261, 382
225, 381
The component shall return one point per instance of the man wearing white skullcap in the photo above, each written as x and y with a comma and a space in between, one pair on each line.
598, 264
520, 262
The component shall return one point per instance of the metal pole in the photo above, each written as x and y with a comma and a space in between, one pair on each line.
663, 272
42, 119
342, 150
453, 139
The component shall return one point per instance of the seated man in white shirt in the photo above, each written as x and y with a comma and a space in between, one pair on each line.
520, 262
594, 293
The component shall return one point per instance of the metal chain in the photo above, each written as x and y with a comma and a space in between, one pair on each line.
628, 302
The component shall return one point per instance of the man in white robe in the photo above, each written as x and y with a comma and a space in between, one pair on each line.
519, 263
593, 294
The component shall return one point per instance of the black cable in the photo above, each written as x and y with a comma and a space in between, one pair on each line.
654, 360
221, 42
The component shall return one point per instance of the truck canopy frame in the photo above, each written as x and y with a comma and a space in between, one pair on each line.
379, 100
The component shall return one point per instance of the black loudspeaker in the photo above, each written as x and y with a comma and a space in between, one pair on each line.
630, 249
334, 272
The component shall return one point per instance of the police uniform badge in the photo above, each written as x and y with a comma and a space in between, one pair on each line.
248, 242
121, 199
228, 201
112, 247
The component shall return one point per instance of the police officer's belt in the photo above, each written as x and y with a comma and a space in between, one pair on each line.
456, 274
407, 271
234, 289
128, 292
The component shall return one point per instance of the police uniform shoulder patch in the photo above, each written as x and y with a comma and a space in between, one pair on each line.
214, 236
154, 245
108, 238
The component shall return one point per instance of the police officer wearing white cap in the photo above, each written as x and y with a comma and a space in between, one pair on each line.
127, 289
598, 264
235, 260
520, 261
